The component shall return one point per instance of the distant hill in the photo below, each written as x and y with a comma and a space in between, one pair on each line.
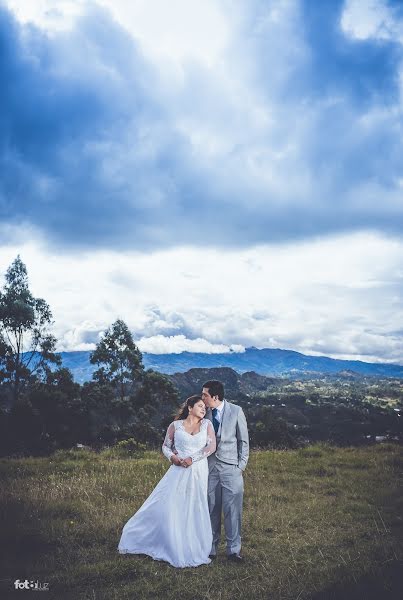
267, 361
237, 386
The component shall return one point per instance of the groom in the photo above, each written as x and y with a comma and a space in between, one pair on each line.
225, 484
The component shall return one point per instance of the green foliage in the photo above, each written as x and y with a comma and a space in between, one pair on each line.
63, 416
43, 409
271, 431
123, 400
141, 415
26, 346
49, 415
119, 359
157, 397
73, 454
23, 429
129, 448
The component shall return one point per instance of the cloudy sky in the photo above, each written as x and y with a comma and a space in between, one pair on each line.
217, 173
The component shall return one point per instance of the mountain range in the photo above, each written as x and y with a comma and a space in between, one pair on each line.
266, 361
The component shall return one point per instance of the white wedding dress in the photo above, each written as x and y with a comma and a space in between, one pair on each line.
174, 524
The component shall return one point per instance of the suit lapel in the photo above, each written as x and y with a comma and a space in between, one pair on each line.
226, 415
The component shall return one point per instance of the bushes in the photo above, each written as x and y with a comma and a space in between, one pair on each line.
270, 431
130, 448
73, 454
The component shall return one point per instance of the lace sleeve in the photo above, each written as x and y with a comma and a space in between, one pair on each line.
169, 442
210, 446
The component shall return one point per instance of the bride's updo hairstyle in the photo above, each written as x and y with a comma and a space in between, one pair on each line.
184, 408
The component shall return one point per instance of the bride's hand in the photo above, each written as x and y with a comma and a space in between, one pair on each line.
186, 462
176, 461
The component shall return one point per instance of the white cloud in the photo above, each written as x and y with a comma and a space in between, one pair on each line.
170, 33
339, 296
47, 14
159, 344
177, 31
363, 19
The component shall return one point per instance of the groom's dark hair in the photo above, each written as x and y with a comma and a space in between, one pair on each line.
215, 388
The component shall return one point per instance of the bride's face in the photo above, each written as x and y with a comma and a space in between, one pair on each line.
198, 410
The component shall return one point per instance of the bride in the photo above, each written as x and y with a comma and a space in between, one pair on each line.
173, 524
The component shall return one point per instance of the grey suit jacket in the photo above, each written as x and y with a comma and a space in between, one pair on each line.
233, 441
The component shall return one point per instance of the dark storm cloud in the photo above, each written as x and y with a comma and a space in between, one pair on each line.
66, 103
91, 154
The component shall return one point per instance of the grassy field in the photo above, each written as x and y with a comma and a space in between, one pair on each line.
320, 523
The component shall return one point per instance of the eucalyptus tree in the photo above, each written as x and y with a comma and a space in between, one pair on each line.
119, 359
27, 348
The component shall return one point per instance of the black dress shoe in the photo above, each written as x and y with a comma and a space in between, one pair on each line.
212, 556
235, 558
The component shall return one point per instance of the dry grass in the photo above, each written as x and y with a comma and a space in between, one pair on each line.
320, 523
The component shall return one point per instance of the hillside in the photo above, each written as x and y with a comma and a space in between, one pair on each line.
267, 361
289, 412
237, 386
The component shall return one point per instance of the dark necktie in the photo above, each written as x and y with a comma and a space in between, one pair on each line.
216, 422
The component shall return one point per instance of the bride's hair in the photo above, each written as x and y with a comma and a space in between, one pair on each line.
184, 408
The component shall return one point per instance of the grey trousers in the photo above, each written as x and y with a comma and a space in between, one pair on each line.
225, 494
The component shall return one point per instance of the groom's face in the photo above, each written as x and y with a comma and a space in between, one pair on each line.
208, 400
